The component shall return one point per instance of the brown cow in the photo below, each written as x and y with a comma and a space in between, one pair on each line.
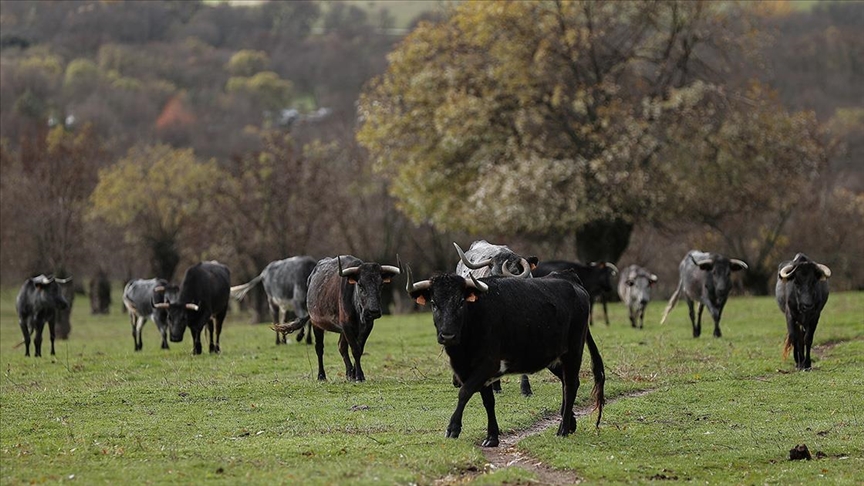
346, 301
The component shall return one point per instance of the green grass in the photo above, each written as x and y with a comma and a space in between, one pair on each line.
721, 410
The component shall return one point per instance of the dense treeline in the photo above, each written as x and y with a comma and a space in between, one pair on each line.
138, 137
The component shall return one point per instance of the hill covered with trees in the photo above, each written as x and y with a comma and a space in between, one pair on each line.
138, 137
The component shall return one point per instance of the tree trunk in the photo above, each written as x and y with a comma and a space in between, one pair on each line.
756, 280
603, 241
165, 258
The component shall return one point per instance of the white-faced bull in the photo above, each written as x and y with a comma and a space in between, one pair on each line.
344, 297
634, 288
705, 278
202, 301
484, 259
496, 326
37, 303
286, 284
596, 277
802, 291
140, 297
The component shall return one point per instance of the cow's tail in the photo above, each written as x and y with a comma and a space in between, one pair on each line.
672, 301
292, 326
599, 373
240, 291
787, 345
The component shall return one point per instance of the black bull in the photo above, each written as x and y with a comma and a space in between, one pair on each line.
37, 303
802, 292
344, 296
499, 326
203, 301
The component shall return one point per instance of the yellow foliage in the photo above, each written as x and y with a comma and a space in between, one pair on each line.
155, 189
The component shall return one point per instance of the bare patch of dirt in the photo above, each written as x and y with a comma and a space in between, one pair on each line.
507, 454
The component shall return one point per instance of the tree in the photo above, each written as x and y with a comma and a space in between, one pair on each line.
247, 62
161, 196
44, 191
545, 117
744, 175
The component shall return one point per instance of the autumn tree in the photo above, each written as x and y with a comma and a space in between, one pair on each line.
742, 176
162, 197
548, 118
44, 191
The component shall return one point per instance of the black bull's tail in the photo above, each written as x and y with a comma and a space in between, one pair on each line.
292, 326
599, 373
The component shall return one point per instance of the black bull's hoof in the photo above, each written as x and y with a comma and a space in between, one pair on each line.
491, 441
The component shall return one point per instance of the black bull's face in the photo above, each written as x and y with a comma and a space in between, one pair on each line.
180, 317
449, 296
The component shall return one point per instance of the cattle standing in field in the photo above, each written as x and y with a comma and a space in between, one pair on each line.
344, 296
802, 291
490, 260
37, 303
597, 278
704, 278
202, 301
286, 285
497, 326
634, 288
140, 297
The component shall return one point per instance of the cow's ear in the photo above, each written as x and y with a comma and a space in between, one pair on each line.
471, 297
420, 296
533, 261
385, 278
352, 280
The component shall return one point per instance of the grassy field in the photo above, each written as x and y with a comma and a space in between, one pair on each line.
722, 411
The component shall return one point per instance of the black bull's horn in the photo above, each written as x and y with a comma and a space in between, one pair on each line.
410, 286
352, 271
788, 270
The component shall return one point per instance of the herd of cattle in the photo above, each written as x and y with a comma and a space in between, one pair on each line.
498, 313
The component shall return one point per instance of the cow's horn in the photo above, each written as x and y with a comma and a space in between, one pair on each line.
347, 272
468, 263
652, 277
391, 269
740, 263
473, 282
193, 307
786, 271
160, 288
706, 261
411, 286
826, 272
526, 269
614, 268
162, 305
63, 280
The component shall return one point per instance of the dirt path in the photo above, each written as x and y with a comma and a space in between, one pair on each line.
508, 455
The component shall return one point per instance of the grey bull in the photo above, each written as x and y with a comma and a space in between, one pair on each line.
140, 297
286, 283
483, 259
634, 288
705, 278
